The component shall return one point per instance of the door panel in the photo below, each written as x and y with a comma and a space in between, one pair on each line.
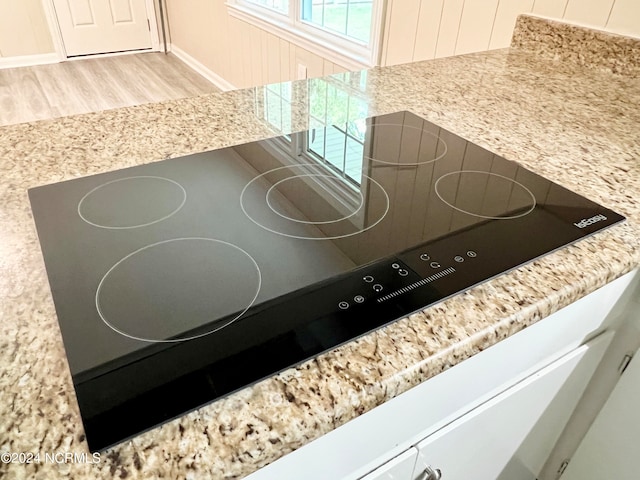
81, 13
511, 436
121, 11
103, 26
610, 448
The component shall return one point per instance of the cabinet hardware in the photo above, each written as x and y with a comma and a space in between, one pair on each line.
563, 467
430, 474
625, 363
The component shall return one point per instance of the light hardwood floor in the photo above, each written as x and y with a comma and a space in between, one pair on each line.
88, 85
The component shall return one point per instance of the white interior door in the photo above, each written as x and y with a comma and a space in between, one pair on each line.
610, 447
103, 26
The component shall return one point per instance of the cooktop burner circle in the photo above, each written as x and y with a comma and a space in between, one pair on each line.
274, 187
258, 199
176, 289
485, 194
435, 142
132, 202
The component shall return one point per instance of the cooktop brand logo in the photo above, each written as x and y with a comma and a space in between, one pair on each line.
585, 222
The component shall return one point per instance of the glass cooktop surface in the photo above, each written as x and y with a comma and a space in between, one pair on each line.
180, 281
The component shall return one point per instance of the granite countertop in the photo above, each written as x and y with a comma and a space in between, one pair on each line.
549, 102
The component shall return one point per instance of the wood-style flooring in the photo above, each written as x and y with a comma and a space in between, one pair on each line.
93, 84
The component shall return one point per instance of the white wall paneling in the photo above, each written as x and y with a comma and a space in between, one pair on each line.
505, 20
425, 29
402, 27
247, 67
550, 8
313, 62
327, 67
625, 17
234, 72
589, 12
429, 29
476, 25
285, 62
257, 74
273, 65
449, 27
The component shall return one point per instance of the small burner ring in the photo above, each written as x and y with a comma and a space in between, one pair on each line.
373, 184
530, 202
172, 194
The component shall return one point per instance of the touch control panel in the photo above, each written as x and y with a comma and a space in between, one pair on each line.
418, 277
370, 283
431, 259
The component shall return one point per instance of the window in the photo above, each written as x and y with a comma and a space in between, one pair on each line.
277, 5
348, 28
351, 18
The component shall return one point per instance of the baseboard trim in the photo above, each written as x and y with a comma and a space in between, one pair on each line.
194, 64
28, 60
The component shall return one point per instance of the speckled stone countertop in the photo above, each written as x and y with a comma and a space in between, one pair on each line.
578, 126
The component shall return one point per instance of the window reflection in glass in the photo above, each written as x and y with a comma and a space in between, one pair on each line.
340, 109
277, 106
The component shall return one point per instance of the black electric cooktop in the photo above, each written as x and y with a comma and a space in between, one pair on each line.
180, 281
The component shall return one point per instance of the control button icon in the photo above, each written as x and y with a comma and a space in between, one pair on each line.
368, 278
343, 305
458, 259
471, 254
402, 272
395, 266
434, 265
377, 287
358, 299
425, 257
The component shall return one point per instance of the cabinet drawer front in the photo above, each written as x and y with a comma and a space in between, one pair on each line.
511, 435
398, 468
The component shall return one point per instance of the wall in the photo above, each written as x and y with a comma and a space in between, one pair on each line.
244, 55
241, 54
23, 29
425, 29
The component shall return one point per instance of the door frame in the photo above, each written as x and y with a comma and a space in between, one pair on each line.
56, 33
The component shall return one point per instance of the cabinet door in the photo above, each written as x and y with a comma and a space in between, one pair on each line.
510, 436
610, 448
398, 468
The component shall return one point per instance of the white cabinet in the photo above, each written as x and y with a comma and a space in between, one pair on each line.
467, 392
398, 468
510, 436
610, 447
